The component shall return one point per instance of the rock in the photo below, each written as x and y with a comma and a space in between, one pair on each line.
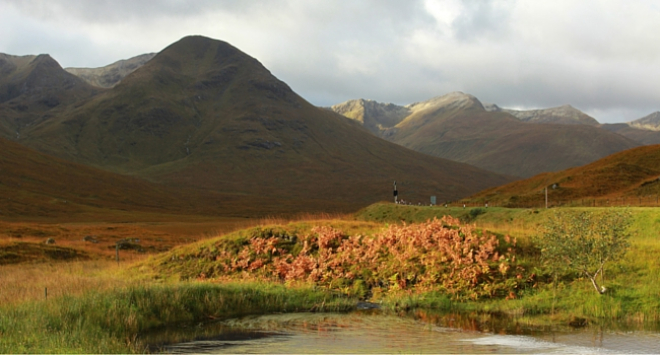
367, 305
578, 322
90, 238
49, 241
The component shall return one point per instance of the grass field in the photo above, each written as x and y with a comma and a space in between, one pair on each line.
62, 300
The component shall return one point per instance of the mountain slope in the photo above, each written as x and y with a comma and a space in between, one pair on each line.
33, 89
458, 127
565, 114
109, 75
645, 130
202, 114
33, 184
374, 116
636, 133
650, 122
631, 173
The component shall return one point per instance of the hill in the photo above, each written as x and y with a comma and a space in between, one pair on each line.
634, 173
203, 115
458, 127
33, 184
110, 75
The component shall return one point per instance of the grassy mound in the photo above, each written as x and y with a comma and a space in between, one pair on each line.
440, 255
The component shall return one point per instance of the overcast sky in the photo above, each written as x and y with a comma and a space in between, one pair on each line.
603, 57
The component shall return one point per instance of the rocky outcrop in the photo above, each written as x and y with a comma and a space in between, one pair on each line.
111, 75
373, 115
565, 114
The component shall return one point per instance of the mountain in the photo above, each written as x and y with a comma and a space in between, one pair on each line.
632, 173
650, 122
374, 116
110, 75
565, 114
203, 115
458, 127
34, 89
641, 135
645, 130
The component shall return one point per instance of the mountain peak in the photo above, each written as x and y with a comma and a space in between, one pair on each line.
564, 114
649, 123
456, 99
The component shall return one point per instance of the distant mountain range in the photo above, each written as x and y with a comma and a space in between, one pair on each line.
459, 127
202, 115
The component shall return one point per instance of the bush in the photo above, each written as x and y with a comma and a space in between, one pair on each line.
584, 242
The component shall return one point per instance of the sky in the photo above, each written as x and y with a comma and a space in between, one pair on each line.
602, 57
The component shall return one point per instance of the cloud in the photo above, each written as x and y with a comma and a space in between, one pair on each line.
599, 56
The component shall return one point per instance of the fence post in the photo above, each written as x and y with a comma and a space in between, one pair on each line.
46, 292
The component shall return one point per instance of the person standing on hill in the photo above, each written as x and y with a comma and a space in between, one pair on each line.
396, 193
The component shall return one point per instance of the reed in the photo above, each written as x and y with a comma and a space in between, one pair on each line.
111, 321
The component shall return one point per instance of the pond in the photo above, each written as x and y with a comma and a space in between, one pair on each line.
381, 332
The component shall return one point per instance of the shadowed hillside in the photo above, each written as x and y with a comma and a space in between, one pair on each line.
632, 175
34, 89
203, 115
641, 135
35, 184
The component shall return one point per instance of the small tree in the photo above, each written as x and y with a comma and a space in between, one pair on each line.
584, 242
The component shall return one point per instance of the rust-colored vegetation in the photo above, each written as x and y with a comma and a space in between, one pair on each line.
631, 177
440, 255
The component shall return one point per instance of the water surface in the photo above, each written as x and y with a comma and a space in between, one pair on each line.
375, 332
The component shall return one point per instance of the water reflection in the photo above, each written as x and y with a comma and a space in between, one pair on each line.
375, 332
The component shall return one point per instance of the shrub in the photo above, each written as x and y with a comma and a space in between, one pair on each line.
584, 242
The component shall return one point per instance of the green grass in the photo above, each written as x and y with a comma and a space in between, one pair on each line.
110, 322
633, 283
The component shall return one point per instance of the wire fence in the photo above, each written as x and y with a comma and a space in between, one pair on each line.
630, 201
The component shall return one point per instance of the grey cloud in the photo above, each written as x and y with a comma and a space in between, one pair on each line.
114, 11
479, 19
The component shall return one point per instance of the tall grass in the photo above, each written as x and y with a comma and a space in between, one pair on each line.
33, 282
111, 321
